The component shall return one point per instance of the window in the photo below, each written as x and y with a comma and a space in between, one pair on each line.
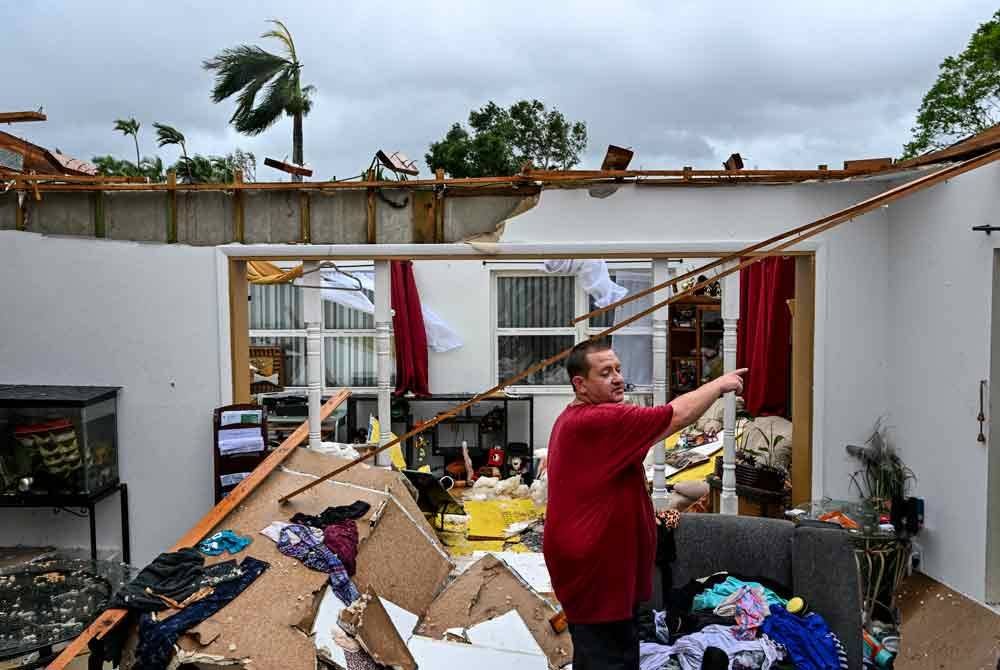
349, 355
533, 314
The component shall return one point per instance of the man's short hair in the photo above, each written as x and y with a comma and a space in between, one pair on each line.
577, 363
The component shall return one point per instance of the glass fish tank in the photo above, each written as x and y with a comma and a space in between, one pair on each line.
58, 439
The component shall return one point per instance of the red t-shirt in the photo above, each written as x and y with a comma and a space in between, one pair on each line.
600, 535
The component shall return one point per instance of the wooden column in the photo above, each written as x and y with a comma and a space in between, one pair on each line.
803, 319
239, 330
730, 318
383, 337
172, 210
312, 308
239, 220
661, 273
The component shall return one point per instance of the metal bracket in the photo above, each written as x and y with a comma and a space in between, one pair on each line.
986, 228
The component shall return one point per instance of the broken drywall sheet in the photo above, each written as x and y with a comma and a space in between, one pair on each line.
507, 631
443, 655
394, 556
378, 479
370, 624
486, 590
325, 627
530, 566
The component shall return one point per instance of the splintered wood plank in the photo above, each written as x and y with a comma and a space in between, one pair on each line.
112, 617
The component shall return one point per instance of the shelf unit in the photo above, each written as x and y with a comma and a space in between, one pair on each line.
694, 343
231, 466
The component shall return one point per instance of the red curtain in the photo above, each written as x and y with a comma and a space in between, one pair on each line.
408, 330
763, 334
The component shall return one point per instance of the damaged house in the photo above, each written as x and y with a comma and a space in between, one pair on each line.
891, 315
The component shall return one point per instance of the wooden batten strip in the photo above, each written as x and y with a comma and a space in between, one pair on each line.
305, 217
172, 208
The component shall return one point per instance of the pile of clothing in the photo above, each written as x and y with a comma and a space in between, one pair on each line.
731, 621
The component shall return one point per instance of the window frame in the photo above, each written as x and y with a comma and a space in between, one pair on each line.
325, 334
579, 331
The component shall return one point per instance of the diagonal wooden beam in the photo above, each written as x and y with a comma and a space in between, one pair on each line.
111, 617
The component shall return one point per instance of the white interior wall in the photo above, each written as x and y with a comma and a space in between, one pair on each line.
851, 281
140, 316
940, 282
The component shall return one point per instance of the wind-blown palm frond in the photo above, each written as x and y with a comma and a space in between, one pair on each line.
265, 85
127, 126
168, 135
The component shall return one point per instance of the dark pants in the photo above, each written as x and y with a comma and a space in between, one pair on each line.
606, 646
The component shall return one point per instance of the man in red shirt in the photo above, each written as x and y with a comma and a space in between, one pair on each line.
600, 535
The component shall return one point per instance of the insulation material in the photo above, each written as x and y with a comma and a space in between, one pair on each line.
397, 552
371, 625
485, 591
441, 655
489, 519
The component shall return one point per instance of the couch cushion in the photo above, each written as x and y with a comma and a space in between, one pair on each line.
825, 574
750, 546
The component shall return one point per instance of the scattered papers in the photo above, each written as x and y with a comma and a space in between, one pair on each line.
240, 441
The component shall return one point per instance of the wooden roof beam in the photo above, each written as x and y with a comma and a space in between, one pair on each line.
20, 117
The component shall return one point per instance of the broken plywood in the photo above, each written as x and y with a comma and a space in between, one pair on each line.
379, 634
379, 479
487, 590
396, 551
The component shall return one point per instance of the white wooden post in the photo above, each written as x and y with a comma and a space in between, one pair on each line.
383, 337
729, 503
312, 309
661, 273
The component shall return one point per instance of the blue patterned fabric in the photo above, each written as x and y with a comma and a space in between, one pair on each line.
157, 638
298, 542
807, 639
223, 541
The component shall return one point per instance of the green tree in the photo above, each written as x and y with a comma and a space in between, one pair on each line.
502, 140
166, 135
246, 69
217, 169
109, 166
965, 99
130, 127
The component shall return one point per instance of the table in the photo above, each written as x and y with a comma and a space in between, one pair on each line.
85, 501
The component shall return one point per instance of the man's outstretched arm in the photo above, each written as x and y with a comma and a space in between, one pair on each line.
690, 406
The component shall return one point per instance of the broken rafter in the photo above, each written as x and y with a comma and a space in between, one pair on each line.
797, 235
20, 117
111, 617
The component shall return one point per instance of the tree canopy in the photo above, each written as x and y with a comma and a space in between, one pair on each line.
503, 140
965, 98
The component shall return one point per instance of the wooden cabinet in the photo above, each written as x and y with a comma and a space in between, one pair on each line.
694, 343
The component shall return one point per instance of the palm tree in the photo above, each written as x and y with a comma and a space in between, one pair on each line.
245, 69
169, 135
130, 127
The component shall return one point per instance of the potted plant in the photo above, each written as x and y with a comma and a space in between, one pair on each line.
883, 477
757, 466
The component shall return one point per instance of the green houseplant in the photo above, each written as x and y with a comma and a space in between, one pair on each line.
883, 477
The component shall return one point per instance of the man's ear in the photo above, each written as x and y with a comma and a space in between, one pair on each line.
576, 381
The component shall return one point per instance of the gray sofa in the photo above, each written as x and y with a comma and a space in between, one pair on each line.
815, 563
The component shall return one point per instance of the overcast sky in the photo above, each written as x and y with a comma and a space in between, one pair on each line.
786, 84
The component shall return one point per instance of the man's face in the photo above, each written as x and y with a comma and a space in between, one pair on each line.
604, 381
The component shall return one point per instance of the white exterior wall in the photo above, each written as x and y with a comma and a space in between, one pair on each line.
140, 316
940, 284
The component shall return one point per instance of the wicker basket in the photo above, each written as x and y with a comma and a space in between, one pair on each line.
758, 478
